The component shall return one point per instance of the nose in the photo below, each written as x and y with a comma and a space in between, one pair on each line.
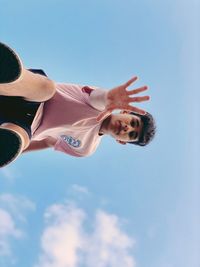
126, 128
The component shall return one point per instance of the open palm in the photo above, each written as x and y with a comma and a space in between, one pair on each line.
120, 98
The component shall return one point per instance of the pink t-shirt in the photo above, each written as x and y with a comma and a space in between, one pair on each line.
70, 117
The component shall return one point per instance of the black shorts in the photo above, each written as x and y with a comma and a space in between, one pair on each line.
19, 111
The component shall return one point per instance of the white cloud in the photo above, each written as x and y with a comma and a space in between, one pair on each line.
10, 173
12, 214
109, 245
62, 237
80, 189
8, 230
66, 241
7, 173
17, 205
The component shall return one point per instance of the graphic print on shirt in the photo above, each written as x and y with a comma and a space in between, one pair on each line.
71, 141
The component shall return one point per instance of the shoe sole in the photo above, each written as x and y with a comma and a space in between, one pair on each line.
10, 64
10, 146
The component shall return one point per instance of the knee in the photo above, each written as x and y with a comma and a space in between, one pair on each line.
48, 90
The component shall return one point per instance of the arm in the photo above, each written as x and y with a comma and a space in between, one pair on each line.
120, 98
38, 145
97, 97
116, 98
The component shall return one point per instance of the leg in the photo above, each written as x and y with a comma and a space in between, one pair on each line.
17, 81
13, 140
10, 64
33, 87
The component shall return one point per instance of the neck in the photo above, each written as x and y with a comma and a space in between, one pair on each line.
104, 126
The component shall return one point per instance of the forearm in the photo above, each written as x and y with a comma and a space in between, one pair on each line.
36, 145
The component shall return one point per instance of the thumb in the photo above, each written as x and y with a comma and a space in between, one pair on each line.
103, 115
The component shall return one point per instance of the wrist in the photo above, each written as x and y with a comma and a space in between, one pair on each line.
99, 99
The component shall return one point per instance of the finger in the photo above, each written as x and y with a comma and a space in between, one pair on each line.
132, 108
138, 90
139, 99
131, 81
136, 110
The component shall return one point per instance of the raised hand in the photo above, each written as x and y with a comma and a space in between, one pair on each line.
120, 98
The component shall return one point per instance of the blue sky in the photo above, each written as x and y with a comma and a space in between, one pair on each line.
124, 205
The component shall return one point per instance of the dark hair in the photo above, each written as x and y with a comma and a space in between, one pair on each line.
148, 129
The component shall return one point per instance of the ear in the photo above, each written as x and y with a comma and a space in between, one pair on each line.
121, 142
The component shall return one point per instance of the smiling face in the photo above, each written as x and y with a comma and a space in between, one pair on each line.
123, 127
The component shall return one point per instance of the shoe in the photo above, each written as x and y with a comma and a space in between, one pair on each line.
10, 146
10, 64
